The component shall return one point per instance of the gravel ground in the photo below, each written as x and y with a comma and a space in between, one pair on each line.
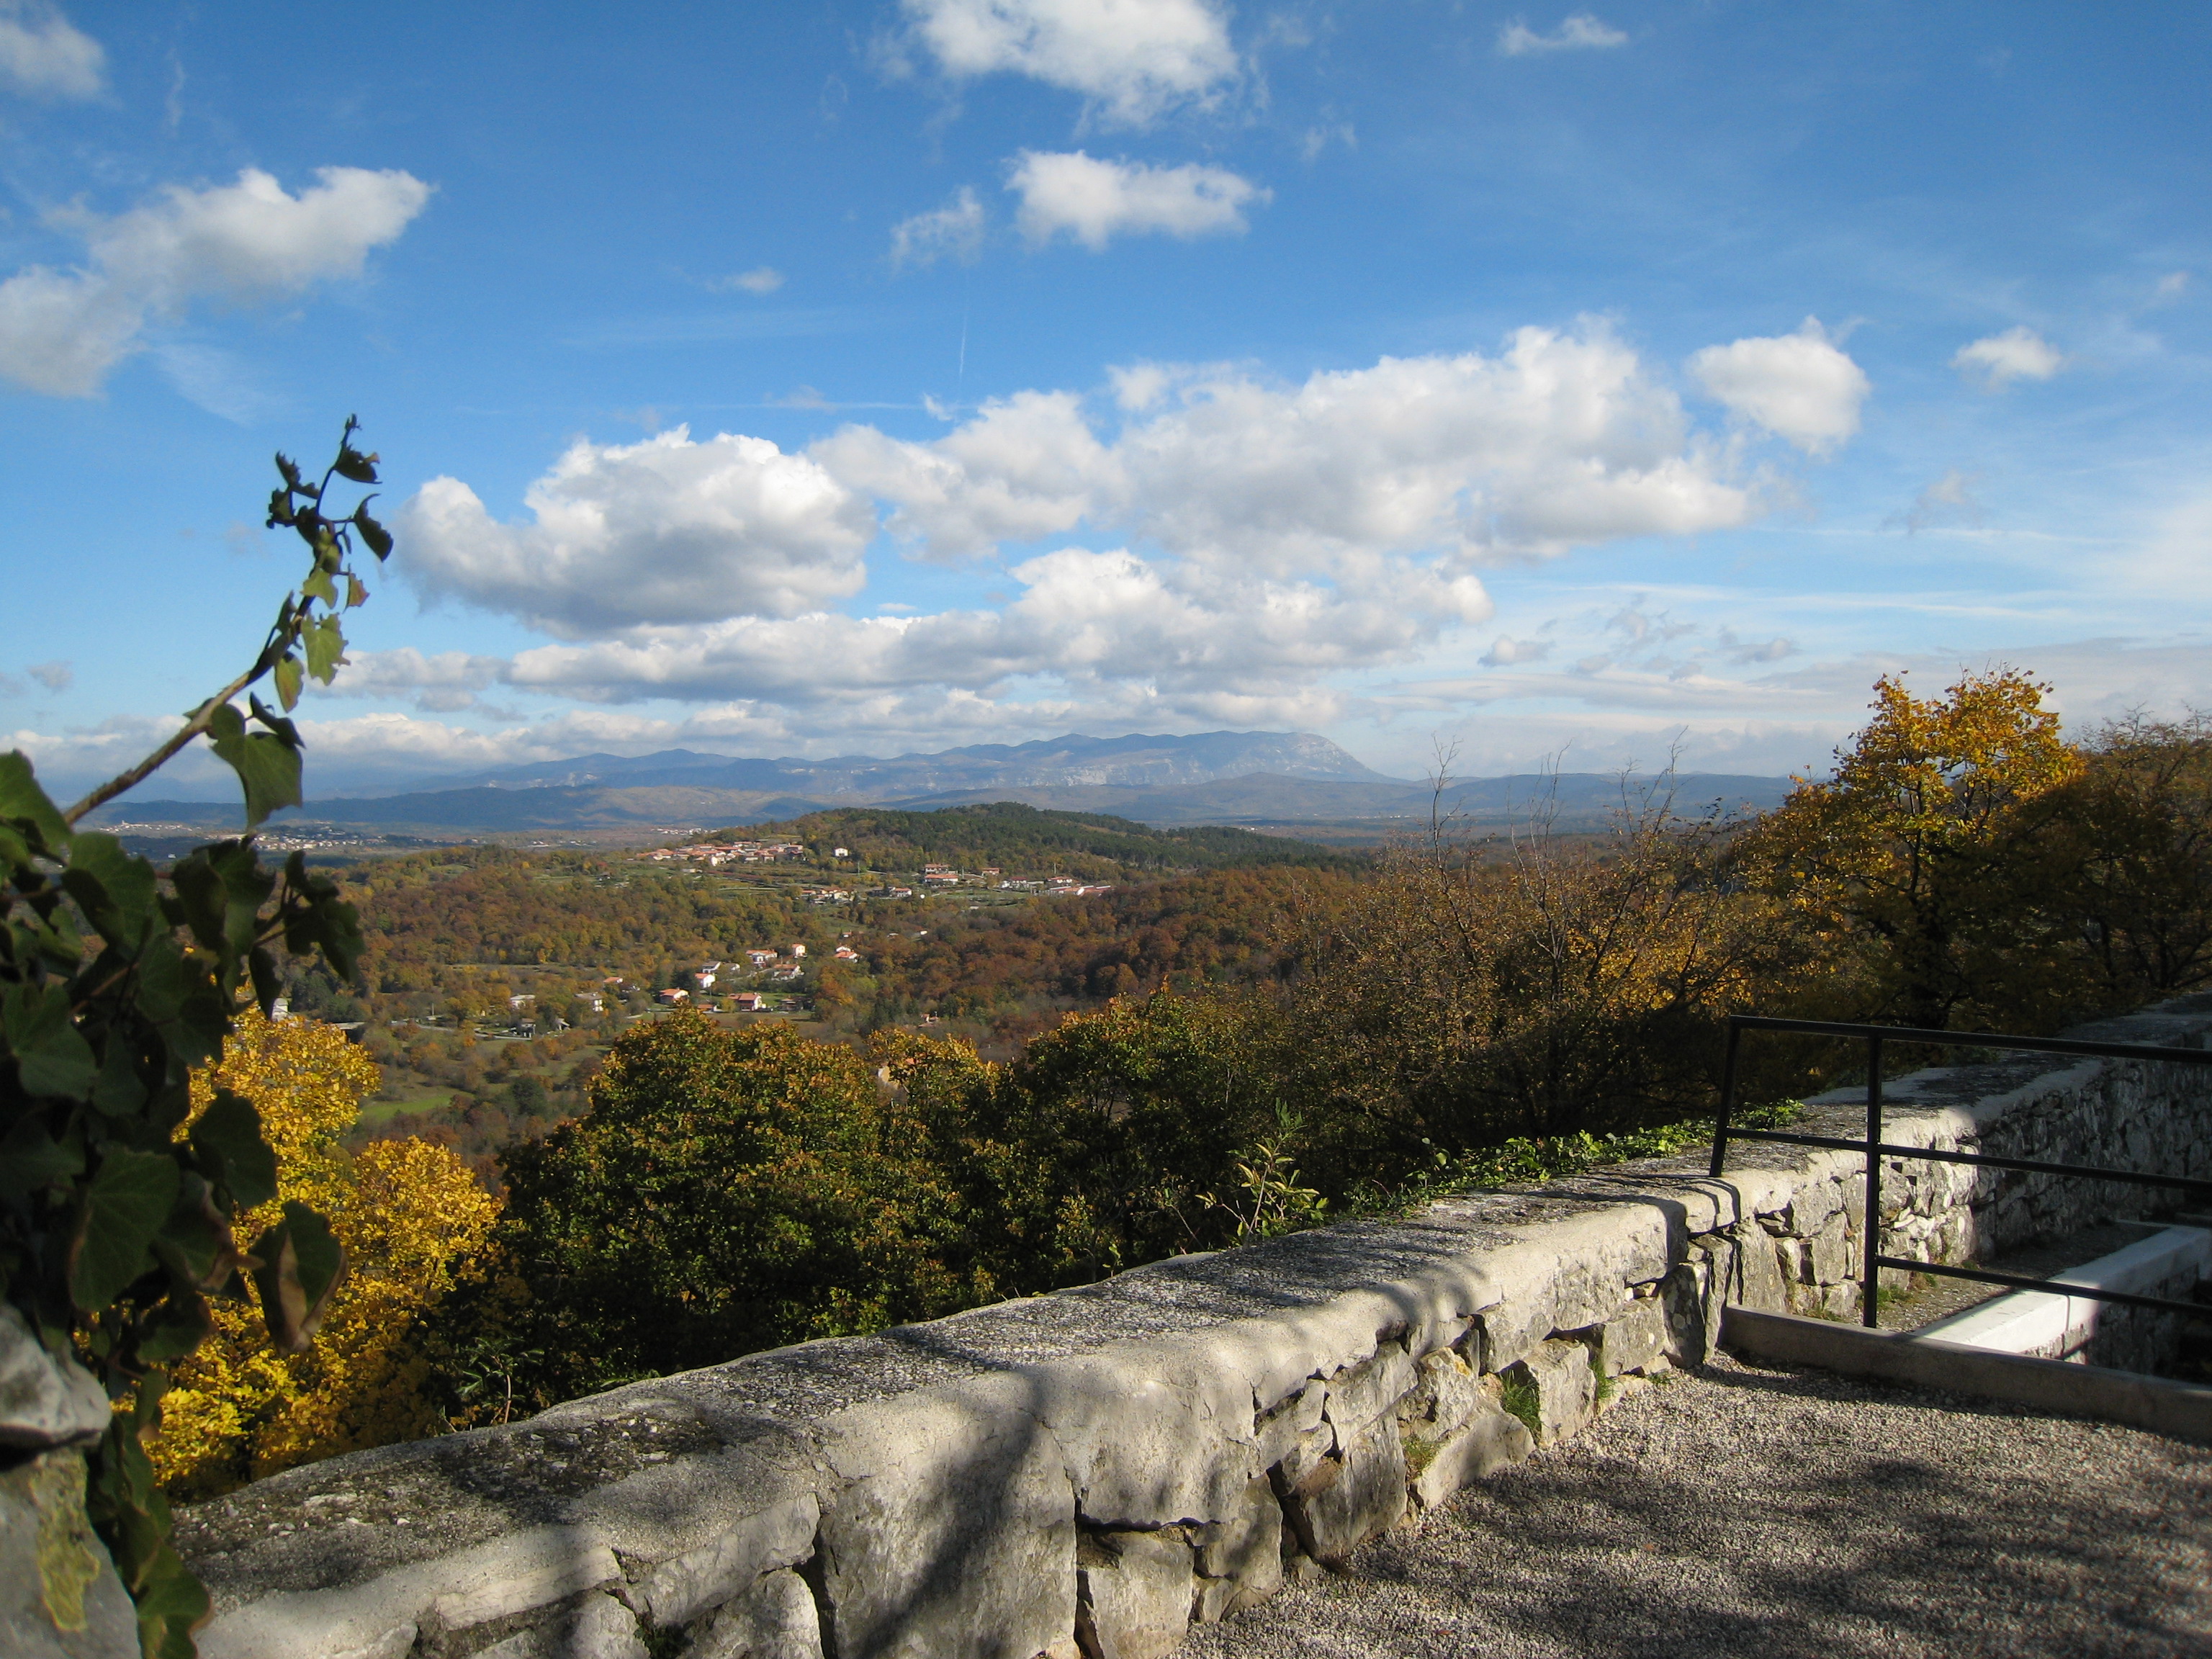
1742, 1512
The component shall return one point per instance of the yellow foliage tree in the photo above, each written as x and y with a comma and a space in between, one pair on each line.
406, 1211
1922, 860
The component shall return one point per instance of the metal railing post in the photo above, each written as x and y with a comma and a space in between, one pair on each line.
1727, 1099
1870, 1238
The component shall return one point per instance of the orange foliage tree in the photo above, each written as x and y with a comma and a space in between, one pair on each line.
1923, 859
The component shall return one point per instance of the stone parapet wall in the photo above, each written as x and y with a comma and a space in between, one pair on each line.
1088, 1472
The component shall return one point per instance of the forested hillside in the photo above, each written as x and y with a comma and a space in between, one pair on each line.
1011, 837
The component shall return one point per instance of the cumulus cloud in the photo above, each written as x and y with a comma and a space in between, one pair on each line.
1024, 467
61, 331
1561, 439
1279, 535
1094, 201
1799, 386
1581, 33
1998, 360
665, 530
1133, 59
953, 231
1090, 620
43, 54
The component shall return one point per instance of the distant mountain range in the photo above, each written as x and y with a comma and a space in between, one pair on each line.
1238, 778
1136, 761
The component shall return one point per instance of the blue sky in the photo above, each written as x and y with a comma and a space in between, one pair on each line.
864, 377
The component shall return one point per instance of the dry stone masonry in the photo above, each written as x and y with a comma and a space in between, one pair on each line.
1085, 1473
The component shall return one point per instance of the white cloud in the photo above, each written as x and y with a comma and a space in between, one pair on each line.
2018, 354
1096, 622
1950, 499
1504, 652
43, 54
1094, 201
54, 676
664, 530
1133, 60
1563, 440
61, 331
1024, 467
953, 231
762, 279
2171, 286
1799, 386
1580, 33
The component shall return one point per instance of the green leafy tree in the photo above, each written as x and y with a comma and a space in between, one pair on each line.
727, 1191
115, 982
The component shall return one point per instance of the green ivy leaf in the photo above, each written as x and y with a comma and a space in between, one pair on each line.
114, 889
268, 767
354, 466
301, 1265
172, 1605
31, 1159
24, 803
378, 538
51, 1056
355, 593
120, 1094
289, 680
179, 1325
325, 642
319, 586
227, 1143
130, 1196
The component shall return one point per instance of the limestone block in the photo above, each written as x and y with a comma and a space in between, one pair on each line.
1810, 1206
700, 1504
1759, 1281
1827, 1259
1136, 1590
1284, 1428
1566, 1388
597, 1627
1489, 1442
1691, 1298
515, 1574
1445, 1396
1631, 1341
59, 1597
956, 1531
678, 1591
776, 1619
1365, 1392
43, 1401
1153, 1433
1240, 1560
1365, 1498
1312, 1459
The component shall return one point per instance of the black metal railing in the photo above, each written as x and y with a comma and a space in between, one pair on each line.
1875, 1149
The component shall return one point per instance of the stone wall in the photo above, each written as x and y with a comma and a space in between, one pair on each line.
1087, 1472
